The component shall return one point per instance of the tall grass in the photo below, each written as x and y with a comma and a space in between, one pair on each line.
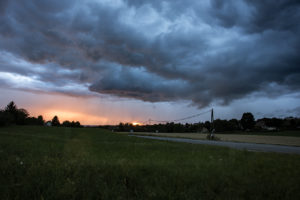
68, 163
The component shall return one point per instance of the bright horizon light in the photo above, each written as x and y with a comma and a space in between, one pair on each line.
136, 124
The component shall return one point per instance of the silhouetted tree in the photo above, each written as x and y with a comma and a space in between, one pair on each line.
11, 107
247, 121
21, 116
31, 121
170, 127
40, 120
207, 125
77, 124
74, 124
12, 115
55, 121
220, 125
5, 118
121, 126
234, 124
66, 123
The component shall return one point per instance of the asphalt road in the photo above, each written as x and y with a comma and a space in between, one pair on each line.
236, 145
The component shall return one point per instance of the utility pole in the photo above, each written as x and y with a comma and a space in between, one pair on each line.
212, 130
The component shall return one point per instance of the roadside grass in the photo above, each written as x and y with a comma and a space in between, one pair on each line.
292, 133
250, 138
87, 163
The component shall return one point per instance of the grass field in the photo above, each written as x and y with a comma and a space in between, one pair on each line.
289, 133
66, 163
251, 138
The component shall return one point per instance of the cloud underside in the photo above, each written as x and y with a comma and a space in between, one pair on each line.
201, 51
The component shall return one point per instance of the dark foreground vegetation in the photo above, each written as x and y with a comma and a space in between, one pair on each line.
12, 115
69, 163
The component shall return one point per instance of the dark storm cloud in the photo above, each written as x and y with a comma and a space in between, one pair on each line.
202, 51
142, 85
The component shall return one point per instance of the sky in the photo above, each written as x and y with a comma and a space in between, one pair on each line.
107, 61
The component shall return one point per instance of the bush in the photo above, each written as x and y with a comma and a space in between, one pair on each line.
5, 118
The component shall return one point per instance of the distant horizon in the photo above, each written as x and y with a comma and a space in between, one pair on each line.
140, 122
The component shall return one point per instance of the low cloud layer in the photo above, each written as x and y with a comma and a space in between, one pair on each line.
200, 51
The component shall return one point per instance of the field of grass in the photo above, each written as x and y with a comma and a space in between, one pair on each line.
66, 163
251, 138
289, 133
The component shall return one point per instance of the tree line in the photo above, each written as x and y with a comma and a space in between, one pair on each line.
12, 115
246, 123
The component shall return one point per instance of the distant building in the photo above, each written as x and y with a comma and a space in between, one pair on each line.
262, 125
48, 123
271, 128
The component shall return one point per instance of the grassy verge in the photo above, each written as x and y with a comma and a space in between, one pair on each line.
260, 139
266, 133
66, 163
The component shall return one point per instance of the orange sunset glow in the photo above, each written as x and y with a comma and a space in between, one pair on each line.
136, 124
73, 116
88, 111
